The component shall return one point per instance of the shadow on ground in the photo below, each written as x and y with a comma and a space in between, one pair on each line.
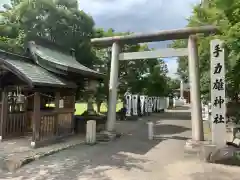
173, 116
182, 108
169, 129
92, 162
98, 162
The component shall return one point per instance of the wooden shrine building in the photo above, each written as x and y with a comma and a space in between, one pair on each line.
46, 75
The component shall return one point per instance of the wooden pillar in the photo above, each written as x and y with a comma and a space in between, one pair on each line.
4, 114
57, 99
36, 119
26, 120
73, 115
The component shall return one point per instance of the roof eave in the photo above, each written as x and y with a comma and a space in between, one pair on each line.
71, 86
88, 74
16, 72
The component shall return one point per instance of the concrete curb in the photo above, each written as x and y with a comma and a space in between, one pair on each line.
13, 163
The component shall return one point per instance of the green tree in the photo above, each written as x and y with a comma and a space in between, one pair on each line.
57, 20
224, 14
172, 84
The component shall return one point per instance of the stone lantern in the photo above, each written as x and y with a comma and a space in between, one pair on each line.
91, 88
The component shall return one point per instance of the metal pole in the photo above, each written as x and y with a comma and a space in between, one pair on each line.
194, 79
113, 82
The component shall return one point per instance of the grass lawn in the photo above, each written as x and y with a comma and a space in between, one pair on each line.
81, 107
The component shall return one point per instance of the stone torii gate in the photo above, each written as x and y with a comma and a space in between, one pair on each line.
117, 41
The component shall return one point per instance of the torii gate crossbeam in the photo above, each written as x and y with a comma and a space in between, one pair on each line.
194, 79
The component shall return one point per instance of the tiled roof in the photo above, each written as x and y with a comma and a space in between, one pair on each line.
61, 60
34, 73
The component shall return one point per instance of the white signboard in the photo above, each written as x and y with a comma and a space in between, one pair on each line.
218, 93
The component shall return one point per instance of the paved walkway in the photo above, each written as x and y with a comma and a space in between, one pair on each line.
132, 157
17, 152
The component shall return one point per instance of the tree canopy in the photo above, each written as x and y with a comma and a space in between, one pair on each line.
224, 14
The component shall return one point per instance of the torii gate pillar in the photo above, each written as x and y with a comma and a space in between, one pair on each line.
194, 80
113, 83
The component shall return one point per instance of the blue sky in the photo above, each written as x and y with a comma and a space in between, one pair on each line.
139, 16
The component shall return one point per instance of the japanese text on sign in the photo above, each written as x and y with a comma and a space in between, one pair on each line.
218, 84
217, 50
218, 101
218, 92
218, 118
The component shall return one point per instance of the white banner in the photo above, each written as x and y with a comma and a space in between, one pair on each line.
162, 103
167, 102
146, 104
128, 105
155, 102
174, 102
135, 104
142, 101
150, 104
158, 103
218, 99
205, 112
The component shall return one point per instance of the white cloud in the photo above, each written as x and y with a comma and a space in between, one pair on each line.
2, 2
111, 7
138, 15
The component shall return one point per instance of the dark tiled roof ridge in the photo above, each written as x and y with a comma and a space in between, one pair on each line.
50, 44
59, 58
4, 53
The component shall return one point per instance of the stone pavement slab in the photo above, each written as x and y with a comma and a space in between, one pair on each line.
16, 153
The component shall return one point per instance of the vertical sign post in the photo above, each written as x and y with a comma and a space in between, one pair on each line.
218, 99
